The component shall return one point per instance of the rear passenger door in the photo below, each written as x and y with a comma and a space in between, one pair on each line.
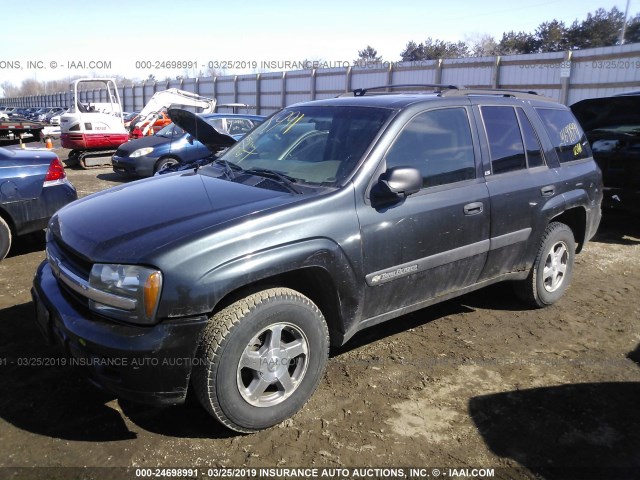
521, 184
434, 241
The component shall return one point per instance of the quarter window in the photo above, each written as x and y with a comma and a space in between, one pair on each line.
567, 137
438, 143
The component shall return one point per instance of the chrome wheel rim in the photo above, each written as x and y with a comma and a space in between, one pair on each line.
273, 364
167, 165
555, 267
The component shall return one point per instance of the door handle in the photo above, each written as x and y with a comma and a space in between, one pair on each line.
473, 208
548, 191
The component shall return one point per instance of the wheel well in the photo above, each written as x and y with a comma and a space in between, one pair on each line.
576, 220
313, 282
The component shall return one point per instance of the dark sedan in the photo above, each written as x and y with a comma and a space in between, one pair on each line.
33, 186
171, 146
612, 126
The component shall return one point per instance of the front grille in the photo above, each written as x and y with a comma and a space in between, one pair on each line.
73, 260
58, 253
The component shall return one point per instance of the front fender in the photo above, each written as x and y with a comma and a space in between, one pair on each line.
249, 269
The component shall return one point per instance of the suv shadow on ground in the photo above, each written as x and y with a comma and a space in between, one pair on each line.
43, 394
598, 423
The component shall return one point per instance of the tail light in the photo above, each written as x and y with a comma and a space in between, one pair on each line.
55, 174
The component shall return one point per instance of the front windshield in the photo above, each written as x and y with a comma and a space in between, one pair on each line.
312, 144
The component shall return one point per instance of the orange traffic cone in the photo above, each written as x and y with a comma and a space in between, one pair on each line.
49, 143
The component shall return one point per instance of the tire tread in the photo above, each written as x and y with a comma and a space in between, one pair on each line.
215, 337
526, 290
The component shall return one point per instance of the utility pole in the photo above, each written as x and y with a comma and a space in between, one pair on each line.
624, 25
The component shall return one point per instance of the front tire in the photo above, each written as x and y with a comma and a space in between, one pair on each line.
552, 269
261, 359
165, 163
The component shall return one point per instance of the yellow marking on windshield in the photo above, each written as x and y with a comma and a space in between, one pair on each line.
297, 120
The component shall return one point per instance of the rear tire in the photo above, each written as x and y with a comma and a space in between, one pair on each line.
5, 238
261, 359
552, 269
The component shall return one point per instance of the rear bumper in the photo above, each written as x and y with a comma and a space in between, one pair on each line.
143, 364
32, 215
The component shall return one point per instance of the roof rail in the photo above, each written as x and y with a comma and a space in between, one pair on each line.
360, 92
501, 92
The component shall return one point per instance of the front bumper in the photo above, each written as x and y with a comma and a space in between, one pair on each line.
141, 166
150, 364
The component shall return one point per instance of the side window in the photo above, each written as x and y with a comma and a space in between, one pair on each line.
217, 124
438, 143
237, 126
531, 142
567, 137
505, 140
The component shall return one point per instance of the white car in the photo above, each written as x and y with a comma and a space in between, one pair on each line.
55, 120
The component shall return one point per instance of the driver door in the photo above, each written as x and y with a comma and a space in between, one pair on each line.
435, 241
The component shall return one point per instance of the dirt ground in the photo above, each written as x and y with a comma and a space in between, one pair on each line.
476, 382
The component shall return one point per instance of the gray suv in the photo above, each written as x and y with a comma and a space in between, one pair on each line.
332, 216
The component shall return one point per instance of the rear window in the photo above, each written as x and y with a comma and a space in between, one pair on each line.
567, 137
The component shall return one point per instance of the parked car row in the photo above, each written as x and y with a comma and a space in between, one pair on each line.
39, 114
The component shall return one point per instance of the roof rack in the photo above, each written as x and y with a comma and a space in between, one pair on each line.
501, 92
360, 92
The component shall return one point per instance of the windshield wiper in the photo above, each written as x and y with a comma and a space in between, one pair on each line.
286, 180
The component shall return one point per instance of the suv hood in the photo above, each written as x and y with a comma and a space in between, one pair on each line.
606, 112
199, 129
130, 223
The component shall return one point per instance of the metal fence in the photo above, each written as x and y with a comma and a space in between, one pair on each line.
564, 76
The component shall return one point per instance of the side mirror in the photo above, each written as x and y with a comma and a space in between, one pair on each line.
397, 183
190, 139
401, 182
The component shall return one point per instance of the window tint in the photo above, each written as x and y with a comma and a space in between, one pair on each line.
438, 143
567, 137
505, 141
531, 142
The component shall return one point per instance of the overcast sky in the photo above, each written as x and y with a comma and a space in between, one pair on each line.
56, 36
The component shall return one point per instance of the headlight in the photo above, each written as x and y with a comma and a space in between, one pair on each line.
141, 152
131, 292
